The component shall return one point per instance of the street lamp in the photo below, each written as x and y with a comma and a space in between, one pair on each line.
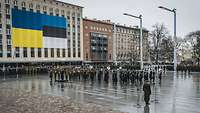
141, 45
173, 11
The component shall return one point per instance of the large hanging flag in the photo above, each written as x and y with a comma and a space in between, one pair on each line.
35, 30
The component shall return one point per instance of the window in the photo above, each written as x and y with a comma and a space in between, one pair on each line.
52, 52
9, 51
17, 54
39, 52
86, 56
9, 42
45, 10
51, 11
31, 6
63, 13
15, 3
58, 52
68, 17
7, 1
23, 4
45, 52
32, 52
63, 53
7, 21
79, 52
8, 31
38, 8
25, 52
74, 52
73, 18
69, 52
57, 12
8, 10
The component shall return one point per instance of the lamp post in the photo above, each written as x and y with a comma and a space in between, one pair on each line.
141, 38
175, 60
173, 11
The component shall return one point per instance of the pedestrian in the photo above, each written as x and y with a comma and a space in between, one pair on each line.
147, 91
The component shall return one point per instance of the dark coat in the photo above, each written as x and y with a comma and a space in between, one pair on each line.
147, 89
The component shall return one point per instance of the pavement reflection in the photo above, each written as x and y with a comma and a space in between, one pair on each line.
165, 98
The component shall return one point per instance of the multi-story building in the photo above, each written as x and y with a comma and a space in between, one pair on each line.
97, 41
126, 46
40, 31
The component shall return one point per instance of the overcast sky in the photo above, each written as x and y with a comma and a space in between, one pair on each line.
188, 16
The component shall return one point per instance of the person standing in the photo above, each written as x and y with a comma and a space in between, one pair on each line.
147, 91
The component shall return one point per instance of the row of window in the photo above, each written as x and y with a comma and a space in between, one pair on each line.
44, 8
63, 4
15, 2
126, 35
39, 52
122, 30
98, 28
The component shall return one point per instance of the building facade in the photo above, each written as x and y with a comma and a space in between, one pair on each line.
126, 46
40, 31
97, 41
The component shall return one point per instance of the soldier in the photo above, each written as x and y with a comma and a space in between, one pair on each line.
99, 75
62, 75
106, 76
92, 75
141, 76
66, 74
160, 75
51, 75
132, 77
147, 92
153, 75
55, 75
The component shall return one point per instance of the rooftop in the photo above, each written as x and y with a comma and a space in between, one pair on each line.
67, 3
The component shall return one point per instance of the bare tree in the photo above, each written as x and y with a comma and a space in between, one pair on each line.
157, 35
166, 49
196, 44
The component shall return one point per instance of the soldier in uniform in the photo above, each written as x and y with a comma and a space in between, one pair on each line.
51, 75
62, 75
147, 92
106, 76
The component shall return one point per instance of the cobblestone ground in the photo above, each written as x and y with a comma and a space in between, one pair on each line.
18, 101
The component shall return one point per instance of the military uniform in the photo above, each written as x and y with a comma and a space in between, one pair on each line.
147, 92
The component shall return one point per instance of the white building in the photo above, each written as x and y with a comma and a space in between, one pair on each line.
57, 37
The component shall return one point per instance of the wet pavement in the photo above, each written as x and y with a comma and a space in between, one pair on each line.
179, 94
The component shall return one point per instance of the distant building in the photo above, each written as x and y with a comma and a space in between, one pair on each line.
97, 41
126, 46
39, 31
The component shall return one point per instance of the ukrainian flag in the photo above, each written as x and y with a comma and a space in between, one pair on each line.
35, 30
